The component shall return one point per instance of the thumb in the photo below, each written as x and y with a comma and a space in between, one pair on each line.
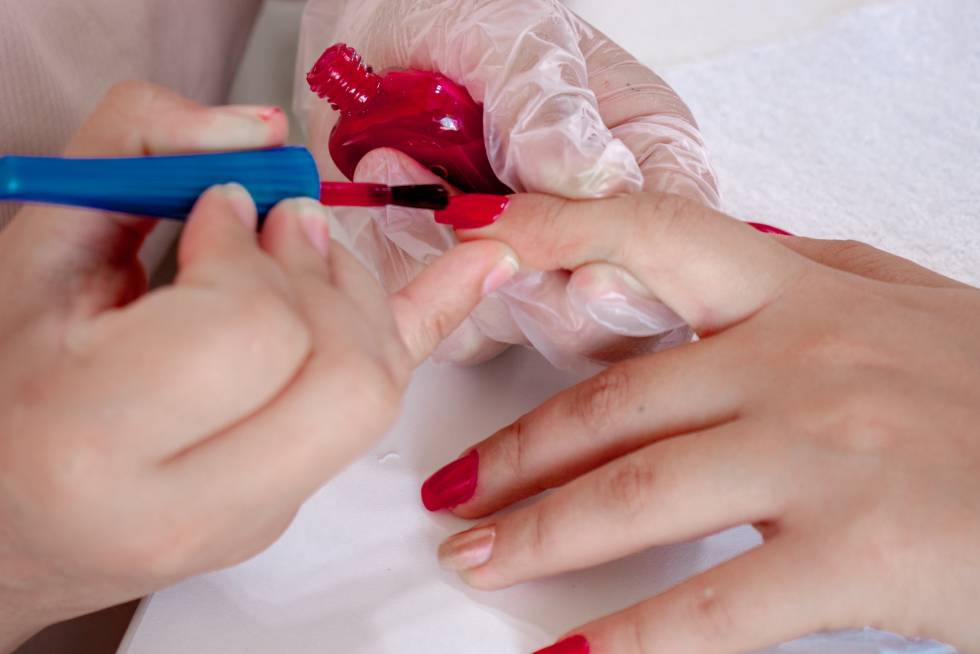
87, 260
398, 243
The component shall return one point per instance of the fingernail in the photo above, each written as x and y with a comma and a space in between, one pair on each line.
770, 229
241, 203
268, 113
467, 550
502, 273
472, 211
453, 484
242, 126
573, 645
313, 219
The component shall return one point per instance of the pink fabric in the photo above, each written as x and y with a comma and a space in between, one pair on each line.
58, 58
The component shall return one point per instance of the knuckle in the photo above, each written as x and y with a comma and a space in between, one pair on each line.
711, 615
838, 348
847, 251
538, 533
598, 402
628, 484
669, 212
437, 326
863, 423
513, 448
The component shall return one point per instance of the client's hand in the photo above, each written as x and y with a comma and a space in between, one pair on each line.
833, 401
145, 438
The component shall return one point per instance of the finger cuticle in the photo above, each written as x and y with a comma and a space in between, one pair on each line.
313, 219
468, 550
241, 203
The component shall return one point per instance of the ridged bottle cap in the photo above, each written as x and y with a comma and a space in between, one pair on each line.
342, 79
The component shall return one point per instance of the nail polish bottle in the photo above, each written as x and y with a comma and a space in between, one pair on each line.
424, 114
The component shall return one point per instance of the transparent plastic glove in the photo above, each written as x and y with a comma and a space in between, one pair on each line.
567, 112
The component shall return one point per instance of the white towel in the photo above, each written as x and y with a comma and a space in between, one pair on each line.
868, 129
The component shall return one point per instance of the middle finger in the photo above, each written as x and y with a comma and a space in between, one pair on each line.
668, 492
623, 408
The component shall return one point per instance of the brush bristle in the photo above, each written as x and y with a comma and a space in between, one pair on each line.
420, 196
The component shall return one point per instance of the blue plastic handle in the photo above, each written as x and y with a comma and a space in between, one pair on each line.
159, 186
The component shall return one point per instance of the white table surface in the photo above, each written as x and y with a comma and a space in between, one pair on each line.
382, 585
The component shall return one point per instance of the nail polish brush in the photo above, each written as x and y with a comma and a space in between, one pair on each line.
168, 186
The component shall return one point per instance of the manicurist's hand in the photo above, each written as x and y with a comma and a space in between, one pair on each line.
833, 401
148, 437
567, 111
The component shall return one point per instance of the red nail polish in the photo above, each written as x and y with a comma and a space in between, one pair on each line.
769, 229
270, 113
573, 645
472, 211
424, 114
453, 484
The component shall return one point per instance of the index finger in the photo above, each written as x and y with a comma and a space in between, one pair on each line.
712, 270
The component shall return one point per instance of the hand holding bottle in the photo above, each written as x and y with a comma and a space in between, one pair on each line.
567, 112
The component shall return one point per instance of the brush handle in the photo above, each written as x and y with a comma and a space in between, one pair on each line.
159, 186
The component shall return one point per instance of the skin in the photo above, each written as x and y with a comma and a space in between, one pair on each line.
147, 437
833, 401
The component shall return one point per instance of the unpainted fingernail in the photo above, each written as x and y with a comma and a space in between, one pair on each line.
500, 274
467, 550
313, 218
572, 645
241, 203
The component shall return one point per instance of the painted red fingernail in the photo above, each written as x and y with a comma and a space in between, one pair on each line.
453, 484
573, 645
769, 229
472, 211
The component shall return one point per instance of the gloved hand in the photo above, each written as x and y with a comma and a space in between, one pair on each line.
567, 112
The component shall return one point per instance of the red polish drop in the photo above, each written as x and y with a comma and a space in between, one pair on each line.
453, 484
770, 229
472, 211
573, 645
